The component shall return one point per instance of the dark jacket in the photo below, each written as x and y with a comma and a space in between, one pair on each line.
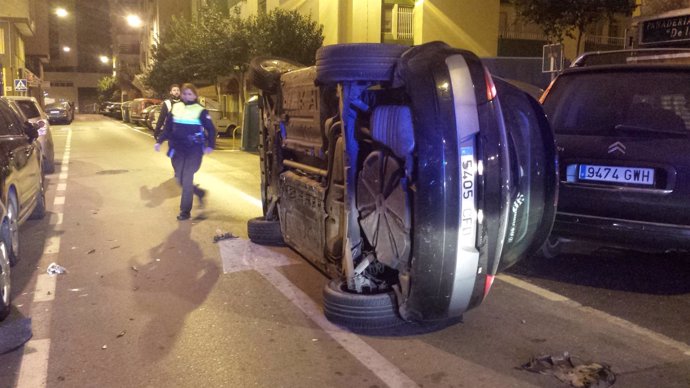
188, 127
165, 109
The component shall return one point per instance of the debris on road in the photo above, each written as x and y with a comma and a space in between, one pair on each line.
135, 269
115, 247
566, 369
104, 347
14, 334
91, 251
122, 334
220, 235
56, 269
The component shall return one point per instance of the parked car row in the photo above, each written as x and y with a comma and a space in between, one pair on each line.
22, 194
622, 124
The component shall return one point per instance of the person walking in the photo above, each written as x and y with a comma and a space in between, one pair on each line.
190, 134
166, 107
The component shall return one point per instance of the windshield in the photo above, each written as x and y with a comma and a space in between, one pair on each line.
640, 102
28, 108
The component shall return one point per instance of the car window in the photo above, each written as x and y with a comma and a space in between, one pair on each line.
14, 124
28, 108
602, 103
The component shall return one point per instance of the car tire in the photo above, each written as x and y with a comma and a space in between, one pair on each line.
5, 282
357, 62
553, 246
264, 72
40, 210
11, 231
48, 166
360, 311
265, 232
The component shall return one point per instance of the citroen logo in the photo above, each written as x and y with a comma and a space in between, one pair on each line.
617, 146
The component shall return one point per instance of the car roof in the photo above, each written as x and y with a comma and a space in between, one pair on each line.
22, 98
657, 56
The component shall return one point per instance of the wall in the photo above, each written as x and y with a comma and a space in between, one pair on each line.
467, 24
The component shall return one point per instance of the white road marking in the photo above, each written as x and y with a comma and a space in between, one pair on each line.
34, 370
45, 288
240, 254
599, 315
61, 187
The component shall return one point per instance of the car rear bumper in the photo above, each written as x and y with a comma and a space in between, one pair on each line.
622, 233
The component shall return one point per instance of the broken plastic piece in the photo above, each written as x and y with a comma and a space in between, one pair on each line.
222, 236
56, 269
565, 369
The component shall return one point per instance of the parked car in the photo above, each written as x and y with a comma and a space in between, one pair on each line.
32, 111
5, 267
408, 175
150, 115
137, 106
21, 179
114, 110
60, 112
621, 121
124, 107
103, 107
225, 122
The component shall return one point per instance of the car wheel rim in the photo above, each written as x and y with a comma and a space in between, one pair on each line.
5, 281
14, 228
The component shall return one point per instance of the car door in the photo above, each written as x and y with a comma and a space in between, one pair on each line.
22, 156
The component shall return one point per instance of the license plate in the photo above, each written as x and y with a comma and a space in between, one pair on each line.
614, 174
55, 112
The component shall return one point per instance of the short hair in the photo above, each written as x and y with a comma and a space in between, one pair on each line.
174, 86
189, 86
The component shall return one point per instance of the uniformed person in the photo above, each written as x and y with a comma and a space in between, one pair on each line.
190, 134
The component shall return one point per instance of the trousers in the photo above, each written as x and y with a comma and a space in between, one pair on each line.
185, 164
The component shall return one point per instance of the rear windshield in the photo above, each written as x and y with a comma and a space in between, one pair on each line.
57, 105
641, 102
28, 108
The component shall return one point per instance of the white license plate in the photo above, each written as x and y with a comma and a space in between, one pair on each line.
629, 175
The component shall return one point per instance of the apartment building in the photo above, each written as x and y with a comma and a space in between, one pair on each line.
17, 25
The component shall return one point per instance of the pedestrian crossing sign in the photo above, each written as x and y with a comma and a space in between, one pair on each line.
20, 85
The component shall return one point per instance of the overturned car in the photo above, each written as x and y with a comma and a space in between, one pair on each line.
409, 176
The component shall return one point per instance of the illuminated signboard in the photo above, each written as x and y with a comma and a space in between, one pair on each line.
665, 30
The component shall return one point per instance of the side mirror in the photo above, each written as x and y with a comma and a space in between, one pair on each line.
31, 131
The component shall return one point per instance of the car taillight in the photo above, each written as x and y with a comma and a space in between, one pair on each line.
490, 87
488, 284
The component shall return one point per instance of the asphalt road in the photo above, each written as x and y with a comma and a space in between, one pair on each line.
148, 301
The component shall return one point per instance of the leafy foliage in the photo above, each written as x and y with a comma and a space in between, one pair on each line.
108, 89
561, 18
221, 43
285, 34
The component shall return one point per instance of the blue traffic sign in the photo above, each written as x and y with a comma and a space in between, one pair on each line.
20, 85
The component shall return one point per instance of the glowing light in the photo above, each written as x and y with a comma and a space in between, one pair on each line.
103, 59
66, 49
61, 12
134, 20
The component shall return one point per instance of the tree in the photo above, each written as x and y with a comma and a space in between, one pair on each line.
108, 89
561, 18
269, 35
199, 51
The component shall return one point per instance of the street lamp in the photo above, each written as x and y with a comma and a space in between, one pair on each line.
61, 12
66, 49
134, 21
103, 59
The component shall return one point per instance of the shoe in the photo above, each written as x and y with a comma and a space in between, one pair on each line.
183, 216
200, 193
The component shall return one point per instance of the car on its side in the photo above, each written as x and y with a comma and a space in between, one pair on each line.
622, 126
33, 112
60, 112
407, 174
136, 109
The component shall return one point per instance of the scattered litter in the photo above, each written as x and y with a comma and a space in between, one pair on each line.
314, 340
56, 269
222, 236
49, 293
75, 289
135, 288
158, 259
14, 334
91, 251
566, 369
104, 347
135, 269
122, 334
115, 247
